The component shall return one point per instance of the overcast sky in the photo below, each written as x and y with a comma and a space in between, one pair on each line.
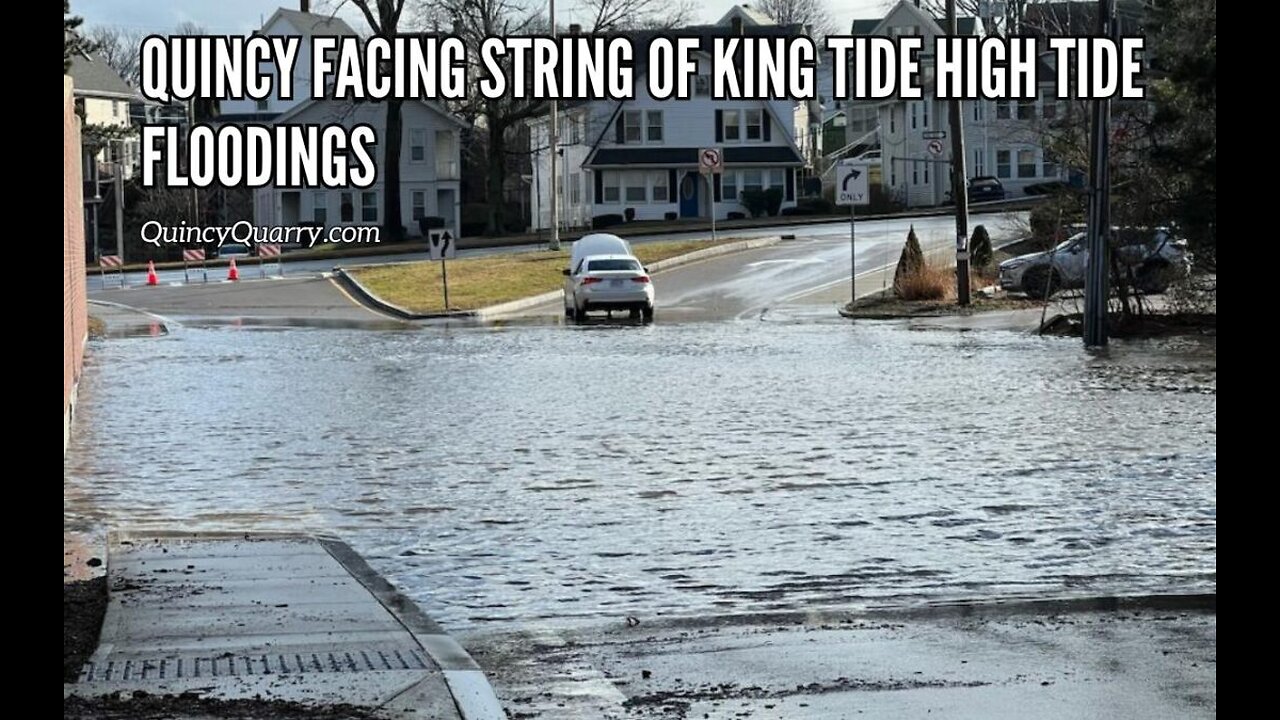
242, 16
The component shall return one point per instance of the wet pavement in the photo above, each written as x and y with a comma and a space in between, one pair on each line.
545, 474
983, 663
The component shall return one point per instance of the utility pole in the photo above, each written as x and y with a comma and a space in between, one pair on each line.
119, 198
555, 150
959, 181
1096, 285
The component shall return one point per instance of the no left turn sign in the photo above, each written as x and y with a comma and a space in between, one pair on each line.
711, 160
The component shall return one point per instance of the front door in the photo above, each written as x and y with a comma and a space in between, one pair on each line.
689, 194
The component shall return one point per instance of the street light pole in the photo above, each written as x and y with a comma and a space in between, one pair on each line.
959, 185
1096, 289
555, 147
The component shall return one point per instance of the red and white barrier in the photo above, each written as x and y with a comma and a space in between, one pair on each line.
269, 250
196, 255
108, 262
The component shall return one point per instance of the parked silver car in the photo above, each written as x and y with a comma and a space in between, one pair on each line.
1153, 257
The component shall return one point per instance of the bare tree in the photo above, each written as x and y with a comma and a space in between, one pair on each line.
614, 15
1009, 24
383, 18
118, 48
813, 13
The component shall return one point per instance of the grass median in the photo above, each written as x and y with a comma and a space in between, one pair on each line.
483, 281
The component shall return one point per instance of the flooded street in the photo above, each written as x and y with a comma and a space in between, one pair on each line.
553, 474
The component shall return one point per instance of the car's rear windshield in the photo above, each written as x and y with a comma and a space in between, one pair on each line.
985, 183
615, 264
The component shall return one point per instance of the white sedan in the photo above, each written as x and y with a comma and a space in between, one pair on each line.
608, 282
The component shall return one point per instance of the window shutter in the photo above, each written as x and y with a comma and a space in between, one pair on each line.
719, 126
715, 186
671, 186
766, 123
618, 136
599, 175
791, 184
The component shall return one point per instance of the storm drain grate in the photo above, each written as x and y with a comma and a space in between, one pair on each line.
172, 667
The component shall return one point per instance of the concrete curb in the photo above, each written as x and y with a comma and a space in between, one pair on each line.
888, 291
471, 691
165, 323
368, 297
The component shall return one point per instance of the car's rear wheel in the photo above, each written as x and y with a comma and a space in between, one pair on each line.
647, 313
1040, 283
1154, 277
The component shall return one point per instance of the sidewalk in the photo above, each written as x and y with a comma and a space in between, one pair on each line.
281, 618
122, 321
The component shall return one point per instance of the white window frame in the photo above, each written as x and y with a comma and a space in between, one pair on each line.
612, 181
415, 206
737, 127
1004, 110
320, 204
635, 181
1004, 170
628, 126
365, 205
1034, 164
575, 188
417, 141
747, 125
729, 181
650, 126
979, 163
659, 180
747, 184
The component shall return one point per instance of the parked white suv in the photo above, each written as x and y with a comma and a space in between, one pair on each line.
1153, 256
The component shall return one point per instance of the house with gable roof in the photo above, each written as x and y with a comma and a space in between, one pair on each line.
642, 154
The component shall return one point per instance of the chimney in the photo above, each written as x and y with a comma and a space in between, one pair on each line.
304, 5
575, 29
735, 24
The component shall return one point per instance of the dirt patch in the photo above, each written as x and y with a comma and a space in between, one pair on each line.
84, 602
141, 706
1145, 326
889, 307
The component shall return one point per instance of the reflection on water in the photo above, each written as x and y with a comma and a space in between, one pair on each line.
503, 475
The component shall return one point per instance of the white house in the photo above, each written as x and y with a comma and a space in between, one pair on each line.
429, 170
1002, 138
286, 22
430, 155
102, 99
642, 154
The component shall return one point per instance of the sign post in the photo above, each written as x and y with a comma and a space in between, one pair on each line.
269, 250
440, 243
853, 188
711, 163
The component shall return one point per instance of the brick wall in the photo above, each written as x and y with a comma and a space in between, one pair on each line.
74, 320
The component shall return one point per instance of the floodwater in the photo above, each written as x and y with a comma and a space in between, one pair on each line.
529, 474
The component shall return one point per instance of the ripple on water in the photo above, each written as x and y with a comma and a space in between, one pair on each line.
676, 469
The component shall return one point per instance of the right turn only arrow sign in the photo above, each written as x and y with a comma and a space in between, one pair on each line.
853, 185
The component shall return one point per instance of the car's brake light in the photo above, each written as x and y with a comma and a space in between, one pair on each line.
641, 279
590, 280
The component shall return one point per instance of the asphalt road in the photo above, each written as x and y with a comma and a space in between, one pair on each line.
309, 268
797, 275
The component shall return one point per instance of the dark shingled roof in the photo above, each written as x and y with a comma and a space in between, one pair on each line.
92, 76
964, 25
688, 156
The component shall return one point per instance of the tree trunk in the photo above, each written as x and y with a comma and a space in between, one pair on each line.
393, 220
496, 174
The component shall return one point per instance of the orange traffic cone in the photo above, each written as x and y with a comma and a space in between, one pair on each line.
151, 273
232, 272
